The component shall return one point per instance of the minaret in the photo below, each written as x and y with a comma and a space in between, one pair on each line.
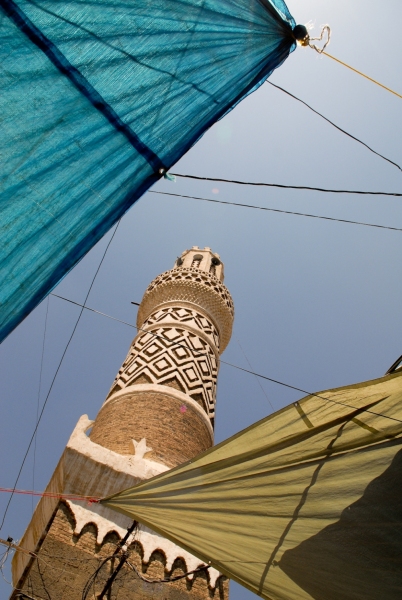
159, 413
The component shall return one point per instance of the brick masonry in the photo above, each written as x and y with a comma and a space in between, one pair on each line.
174, 429
67, 562
164, 392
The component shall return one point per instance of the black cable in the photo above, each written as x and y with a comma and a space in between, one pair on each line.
257, 378
334, 125
277, 210
123, 558
292, 387
287, 187
39, 391
42, 580
93, 576
54, 378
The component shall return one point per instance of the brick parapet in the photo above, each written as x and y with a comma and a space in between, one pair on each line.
67, 561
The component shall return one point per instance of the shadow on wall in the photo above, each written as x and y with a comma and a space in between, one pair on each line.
360, 556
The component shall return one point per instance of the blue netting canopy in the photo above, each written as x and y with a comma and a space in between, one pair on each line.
98, 99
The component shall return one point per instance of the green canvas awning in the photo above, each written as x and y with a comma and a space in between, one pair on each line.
305, 504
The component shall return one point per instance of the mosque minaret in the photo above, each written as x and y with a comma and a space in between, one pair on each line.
159, 413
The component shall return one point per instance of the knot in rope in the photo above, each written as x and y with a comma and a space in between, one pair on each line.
302, 37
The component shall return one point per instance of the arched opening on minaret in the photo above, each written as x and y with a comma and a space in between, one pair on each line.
197, 260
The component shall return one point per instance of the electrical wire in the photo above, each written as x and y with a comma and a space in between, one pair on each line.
55, 376
39, 391
92, 579
278, 210
287, 187
257, 378
16, 548
292, 387
334, 125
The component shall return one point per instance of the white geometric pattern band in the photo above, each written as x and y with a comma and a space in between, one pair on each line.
171, 352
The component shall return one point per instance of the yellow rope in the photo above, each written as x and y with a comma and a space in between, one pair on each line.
362, 74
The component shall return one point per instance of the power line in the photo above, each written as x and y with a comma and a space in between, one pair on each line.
257, 378
55, 376
287, 187
39, 391
334, 125
278, 210
292, 387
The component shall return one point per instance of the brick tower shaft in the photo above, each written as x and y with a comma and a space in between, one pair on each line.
159, 413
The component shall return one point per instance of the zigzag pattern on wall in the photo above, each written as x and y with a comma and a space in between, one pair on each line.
174, 356
188, 316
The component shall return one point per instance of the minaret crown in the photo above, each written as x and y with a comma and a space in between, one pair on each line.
204, 260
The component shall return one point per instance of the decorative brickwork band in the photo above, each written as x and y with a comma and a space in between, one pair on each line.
194, 287
180, 350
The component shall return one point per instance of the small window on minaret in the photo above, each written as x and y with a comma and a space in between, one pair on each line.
196, 261
214, 263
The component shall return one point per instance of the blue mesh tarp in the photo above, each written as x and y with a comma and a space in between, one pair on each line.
97, 97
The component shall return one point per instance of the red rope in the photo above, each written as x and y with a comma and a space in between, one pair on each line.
89, 499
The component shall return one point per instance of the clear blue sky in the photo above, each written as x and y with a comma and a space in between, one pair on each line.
317, 302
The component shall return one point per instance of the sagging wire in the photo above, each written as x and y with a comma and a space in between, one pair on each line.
55, 375
39, 392
92, 579
388, 160
224, 362
257, 378
15, 547
278, 210
286, 187
3, 561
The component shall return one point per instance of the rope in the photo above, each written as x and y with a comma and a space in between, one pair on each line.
89, 499
359, 73
306, 41
288, 187
325, 29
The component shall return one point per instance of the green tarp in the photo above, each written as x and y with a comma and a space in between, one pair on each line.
305, 504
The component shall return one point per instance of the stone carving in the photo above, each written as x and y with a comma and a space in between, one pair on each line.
195, 287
